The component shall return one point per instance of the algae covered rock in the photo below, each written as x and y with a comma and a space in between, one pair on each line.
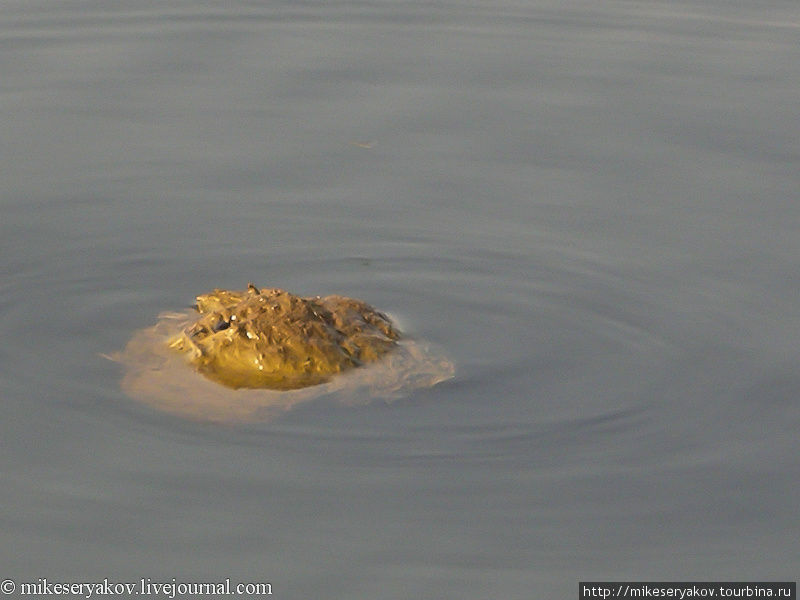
256, 353
274, 339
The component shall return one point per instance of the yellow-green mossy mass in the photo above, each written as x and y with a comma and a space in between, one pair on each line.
270, 338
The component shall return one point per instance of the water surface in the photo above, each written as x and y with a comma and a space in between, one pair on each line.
592, 206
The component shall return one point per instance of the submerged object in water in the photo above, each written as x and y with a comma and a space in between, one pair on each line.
274, 339
272, 350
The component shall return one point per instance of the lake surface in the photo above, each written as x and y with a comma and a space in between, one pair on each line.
591, 206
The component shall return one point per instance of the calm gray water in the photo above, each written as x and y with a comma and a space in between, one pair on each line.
592, 206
